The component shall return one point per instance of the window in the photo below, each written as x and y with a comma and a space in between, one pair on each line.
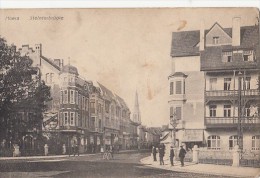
99, 108
76, 97
47, 78
92, 107
247, 83
92, 122
212, 110
248, 55
171, 88
61, 93
83, 103
65, 100
107, 107
256, 142
72, 97
51, 77
178, 87
247, 111
215, 40
227, 110
178, 113
79, 101
227, 56
214, 142
171, 111
233, 141
227, 83
72, 118
66, 122
213, 83
86, 104
30, 117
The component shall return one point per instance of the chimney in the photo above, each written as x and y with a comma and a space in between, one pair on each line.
202, 36
57, 62
236, 31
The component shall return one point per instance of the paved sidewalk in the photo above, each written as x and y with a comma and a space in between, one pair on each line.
220, 170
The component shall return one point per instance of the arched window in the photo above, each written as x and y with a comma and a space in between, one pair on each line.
214, 142
256, 142
233, 141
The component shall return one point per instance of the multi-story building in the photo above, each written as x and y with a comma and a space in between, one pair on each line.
224, 88
186, 91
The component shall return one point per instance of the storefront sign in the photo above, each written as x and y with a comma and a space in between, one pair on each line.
193, 136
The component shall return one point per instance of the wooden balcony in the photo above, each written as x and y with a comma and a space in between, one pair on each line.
231, 94
232, 122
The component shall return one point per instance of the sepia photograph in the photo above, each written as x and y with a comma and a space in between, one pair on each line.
130, 92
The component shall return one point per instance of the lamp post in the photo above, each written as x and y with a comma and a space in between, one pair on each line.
174, 123
240, 113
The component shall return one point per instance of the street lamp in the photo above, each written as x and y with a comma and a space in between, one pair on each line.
174, 123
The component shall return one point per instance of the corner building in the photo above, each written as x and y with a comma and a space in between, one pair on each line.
227, 63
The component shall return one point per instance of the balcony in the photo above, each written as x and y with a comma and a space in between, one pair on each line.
231, 94
226, 122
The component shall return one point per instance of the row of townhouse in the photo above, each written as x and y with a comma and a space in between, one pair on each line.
80, 111
214, 87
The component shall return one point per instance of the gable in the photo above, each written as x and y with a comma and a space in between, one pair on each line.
217, 32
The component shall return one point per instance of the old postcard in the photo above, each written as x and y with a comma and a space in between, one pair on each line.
145, 92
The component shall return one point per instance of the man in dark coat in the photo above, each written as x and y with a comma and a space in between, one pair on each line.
171, 155
161, 155
154, 151
182, 155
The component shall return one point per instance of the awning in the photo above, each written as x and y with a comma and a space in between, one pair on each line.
193, 135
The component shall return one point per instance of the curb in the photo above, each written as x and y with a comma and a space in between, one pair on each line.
146, 163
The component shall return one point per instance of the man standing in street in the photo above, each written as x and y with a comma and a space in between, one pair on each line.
161, 155
154, 151
171, 155
182, 155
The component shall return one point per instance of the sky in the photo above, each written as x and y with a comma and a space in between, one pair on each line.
127, 50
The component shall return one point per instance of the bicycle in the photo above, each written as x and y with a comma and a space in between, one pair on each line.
107, 155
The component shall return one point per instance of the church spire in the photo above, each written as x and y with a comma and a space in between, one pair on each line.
136, 112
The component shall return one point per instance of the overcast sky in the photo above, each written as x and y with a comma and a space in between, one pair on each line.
124, 49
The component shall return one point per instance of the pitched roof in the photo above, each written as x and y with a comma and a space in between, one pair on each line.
106, 92
185, 43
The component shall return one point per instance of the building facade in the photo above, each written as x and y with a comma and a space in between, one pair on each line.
80, 111
226, 65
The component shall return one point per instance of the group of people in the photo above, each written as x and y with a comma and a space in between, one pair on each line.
161, 150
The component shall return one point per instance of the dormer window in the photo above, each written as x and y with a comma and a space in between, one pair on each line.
215, 40
248, 55
227, 57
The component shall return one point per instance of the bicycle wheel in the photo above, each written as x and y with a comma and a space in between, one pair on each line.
104, 155
109, 156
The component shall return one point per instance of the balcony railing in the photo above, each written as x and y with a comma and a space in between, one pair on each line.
252, 92
231, 121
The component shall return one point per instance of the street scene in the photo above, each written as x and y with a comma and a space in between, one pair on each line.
130, 92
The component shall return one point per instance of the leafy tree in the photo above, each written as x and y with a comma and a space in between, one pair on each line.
21, 90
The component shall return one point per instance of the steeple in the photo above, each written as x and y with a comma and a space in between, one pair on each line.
136, 112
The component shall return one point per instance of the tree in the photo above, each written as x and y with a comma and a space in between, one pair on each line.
21, 91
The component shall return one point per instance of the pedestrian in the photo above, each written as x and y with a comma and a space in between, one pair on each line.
171, 155
182, 155
161, 155
154, 151
76, 149
112, 149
